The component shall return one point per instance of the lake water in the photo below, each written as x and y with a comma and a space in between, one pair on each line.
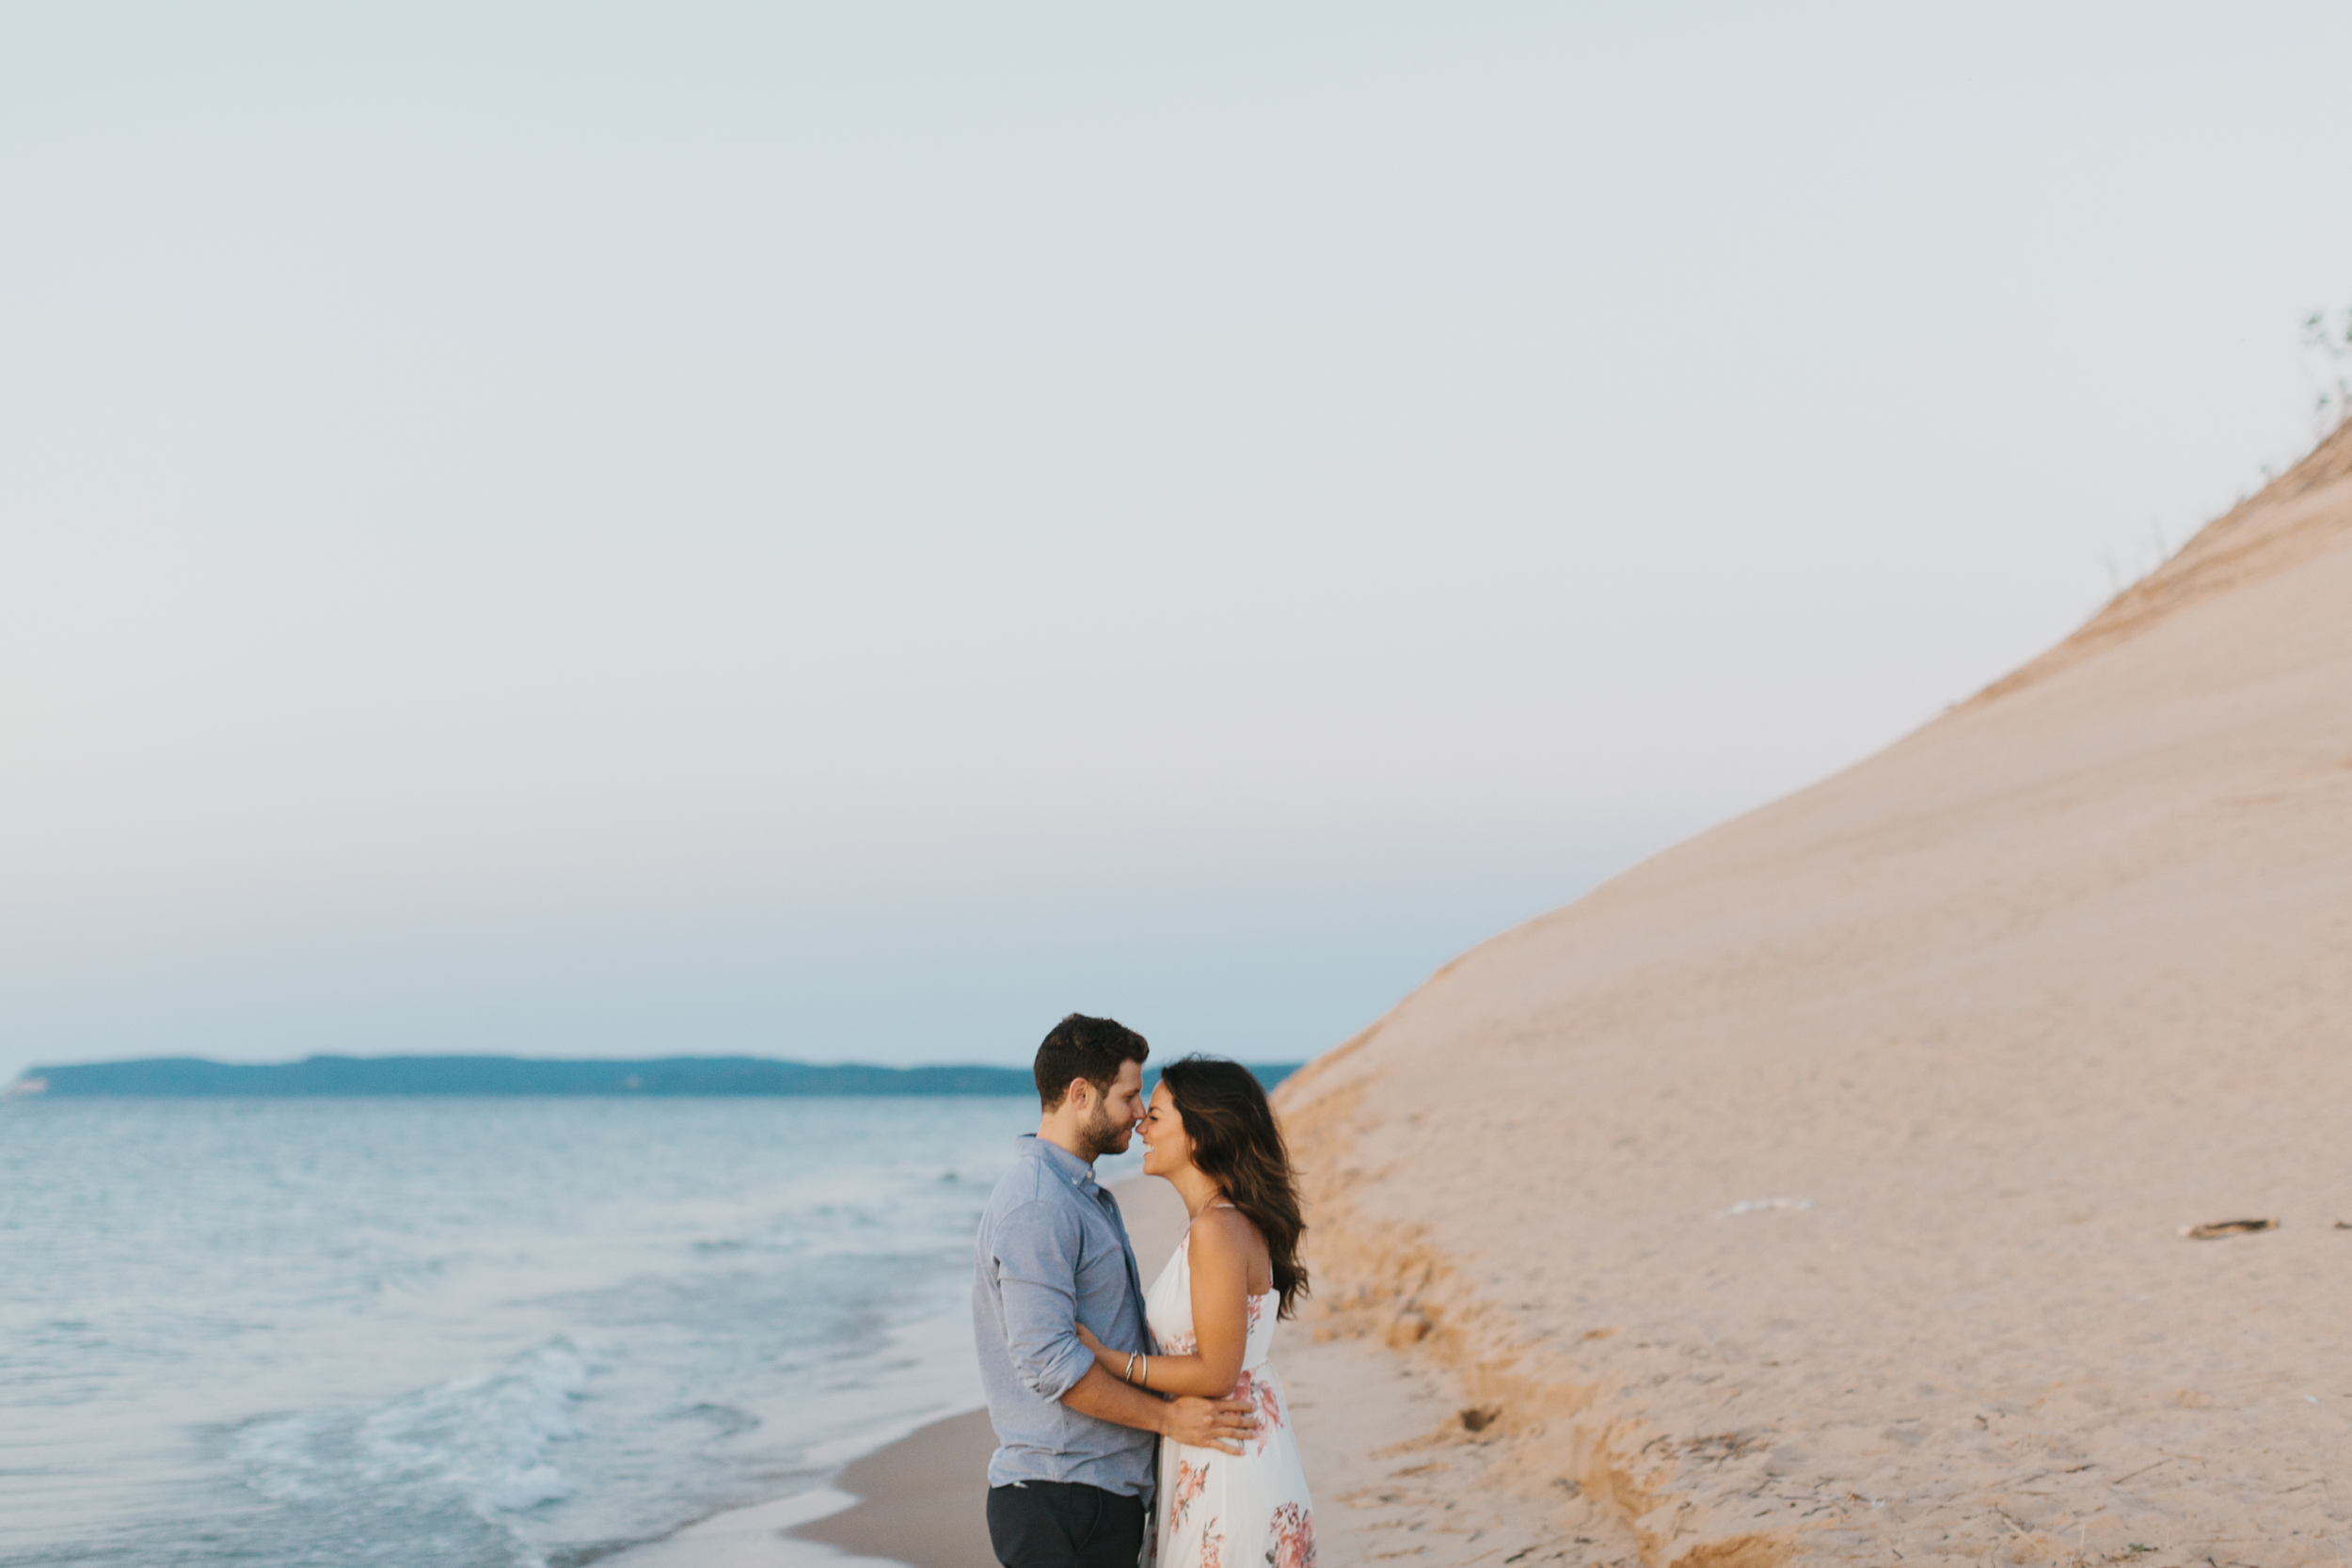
467, 1332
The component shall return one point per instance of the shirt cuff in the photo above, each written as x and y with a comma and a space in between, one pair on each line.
1061, 1369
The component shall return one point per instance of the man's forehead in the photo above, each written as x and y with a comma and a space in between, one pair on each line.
1130, 1075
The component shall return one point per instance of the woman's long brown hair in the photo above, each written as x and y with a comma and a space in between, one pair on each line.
1235, 1143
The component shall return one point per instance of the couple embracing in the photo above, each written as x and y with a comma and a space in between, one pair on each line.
1133, 1427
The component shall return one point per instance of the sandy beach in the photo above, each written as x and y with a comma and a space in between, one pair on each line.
1822, 1190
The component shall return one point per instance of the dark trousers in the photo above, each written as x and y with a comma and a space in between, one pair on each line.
1061, 1524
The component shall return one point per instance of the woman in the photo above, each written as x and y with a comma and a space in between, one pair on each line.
1210, 1134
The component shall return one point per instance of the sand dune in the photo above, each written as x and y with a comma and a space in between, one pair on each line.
1813, 1193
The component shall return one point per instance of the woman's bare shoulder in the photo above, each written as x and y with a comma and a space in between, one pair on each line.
1227, 1233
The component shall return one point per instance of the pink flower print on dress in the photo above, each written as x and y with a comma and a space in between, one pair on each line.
1269, 1407
1256, 1312
1190, 1479
1294, 1538
1213, 1546
1180, 1344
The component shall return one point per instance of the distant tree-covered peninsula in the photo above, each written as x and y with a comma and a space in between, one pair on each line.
325, 1077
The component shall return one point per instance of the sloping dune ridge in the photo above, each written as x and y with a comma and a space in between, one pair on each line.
1816, 1190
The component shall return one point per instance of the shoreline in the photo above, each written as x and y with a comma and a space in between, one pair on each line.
1393, 1460
916, 1501
909, 1503
921, 1500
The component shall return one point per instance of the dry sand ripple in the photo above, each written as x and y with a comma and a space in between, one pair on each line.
1816, 1190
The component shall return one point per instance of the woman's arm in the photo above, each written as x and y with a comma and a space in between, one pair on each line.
1222, 1244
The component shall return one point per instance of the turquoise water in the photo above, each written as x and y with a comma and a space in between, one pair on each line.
466, 1332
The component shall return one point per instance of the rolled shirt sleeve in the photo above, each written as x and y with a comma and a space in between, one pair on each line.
1036, 1251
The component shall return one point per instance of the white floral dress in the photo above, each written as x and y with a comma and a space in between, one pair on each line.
1218, 1510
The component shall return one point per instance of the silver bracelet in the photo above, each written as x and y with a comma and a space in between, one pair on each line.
1129, 1374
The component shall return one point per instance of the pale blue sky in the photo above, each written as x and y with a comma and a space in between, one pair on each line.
849, 531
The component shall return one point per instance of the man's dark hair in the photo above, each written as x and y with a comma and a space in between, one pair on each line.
1089, 1048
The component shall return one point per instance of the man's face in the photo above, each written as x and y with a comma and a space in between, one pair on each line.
1117, 1112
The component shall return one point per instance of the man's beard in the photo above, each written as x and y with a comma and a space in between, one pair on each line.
1104, 1134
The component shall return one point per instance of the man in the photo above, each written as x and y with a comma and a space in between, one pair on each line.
1074, 1471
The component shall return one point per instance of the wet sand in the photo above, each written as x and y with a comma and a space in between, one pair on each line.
919, 1501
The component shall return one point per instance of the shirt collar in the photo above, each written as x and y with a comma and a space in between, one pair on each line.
1066, 1164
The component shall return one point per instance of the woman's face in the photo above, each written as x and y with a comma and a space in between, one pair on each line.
1166, 1148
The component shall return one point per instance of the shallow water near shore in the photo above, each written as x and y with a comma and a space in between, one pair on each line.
466, 1332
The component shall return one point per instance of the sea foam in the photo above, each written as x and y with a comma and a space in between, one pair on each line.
485, 1437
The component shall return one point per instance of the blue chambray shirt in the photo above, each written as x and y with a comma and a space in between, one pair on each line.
1052, 1253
